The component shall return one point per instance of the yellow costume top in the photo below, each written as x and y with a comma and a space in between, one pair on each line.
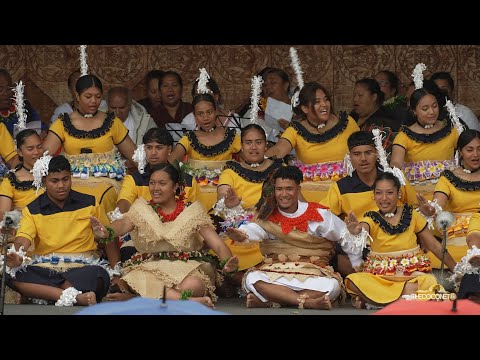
135, 186
100, 140
246, 183
474, 225
224, 150
21, 193
389, 238
319, 148
66, 230
7, 145
463, 196
419, 147
350, 193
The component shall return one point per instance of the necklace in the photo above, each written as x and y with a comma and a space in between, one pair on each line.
319, 126
209, 130
23, 166
87, 115
168, 217
426, 126
466, 171
8, 112
389, 214
254, 165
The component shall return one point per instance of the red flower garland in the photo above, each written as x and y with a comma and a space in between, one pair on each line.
7, 113
168, 217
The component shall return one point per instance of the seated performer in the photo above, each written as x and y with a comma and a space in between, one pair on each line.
355, 192
457, 191
319, 140
170, 238
65, 267
396, 264
298, 242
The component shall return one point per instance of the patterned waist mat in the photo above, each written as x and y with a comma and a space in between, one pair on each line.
205, 175
109, 164
398, 263
333, 170
138, 258
426, 170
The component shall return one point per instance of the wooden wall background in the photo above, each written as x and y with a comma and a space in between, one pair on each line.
45, 68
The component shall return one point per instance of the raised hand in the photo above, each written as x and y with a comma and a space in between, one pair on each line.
98, 229
236, 235
353, 225
283, 123
424, 206
14, 260
231, 265
231, 199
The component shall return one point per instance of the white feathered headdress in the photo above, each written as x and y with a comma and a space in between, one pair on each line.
140, 157
295, 62
40, 169
20, 106
83, 60
257, 82
202, 82
418, 75
382, 157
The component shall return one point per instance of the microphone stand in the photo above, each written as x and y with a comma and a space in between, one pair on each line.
444, 247
4, 267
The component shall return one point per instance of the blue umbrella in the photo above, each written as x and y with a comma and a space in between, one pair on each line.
145, 306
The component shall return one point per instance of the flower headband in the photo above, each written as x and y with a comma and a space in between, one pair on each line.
40, 169
257, 82
140, 157
295, 62
202, 82
418, 75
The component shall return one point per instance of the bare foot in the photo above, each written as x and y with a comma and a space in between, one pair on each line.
322, 303
357, 302
87, 299
205, 300
254, 302
475, 260
119, 296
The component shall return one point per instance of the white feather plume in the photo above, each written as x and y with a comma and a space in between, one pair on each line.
83, 60
454, 117
418, 75
140, 157
348, 164
40, 169
14, 216
202, 82
257, 82
382, 157
20, 106
295, 62
444, 219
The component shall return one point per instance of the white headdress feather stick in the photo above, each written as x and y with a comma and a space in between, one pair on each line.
83, 60
418, 75
202, 82
257, 82
382, 157
40, 169
295, 62
20, 106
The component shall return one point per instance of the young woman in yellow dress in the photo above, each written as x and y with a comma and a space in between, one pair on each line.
17, 189
426, 148
207, 150
8, 155
173, 241
319, 140
89, 138
240, 187
458, 191
396, 264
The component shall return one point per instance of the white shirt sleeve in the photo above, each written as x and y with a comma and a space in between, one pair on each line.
254, 231
330, 228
